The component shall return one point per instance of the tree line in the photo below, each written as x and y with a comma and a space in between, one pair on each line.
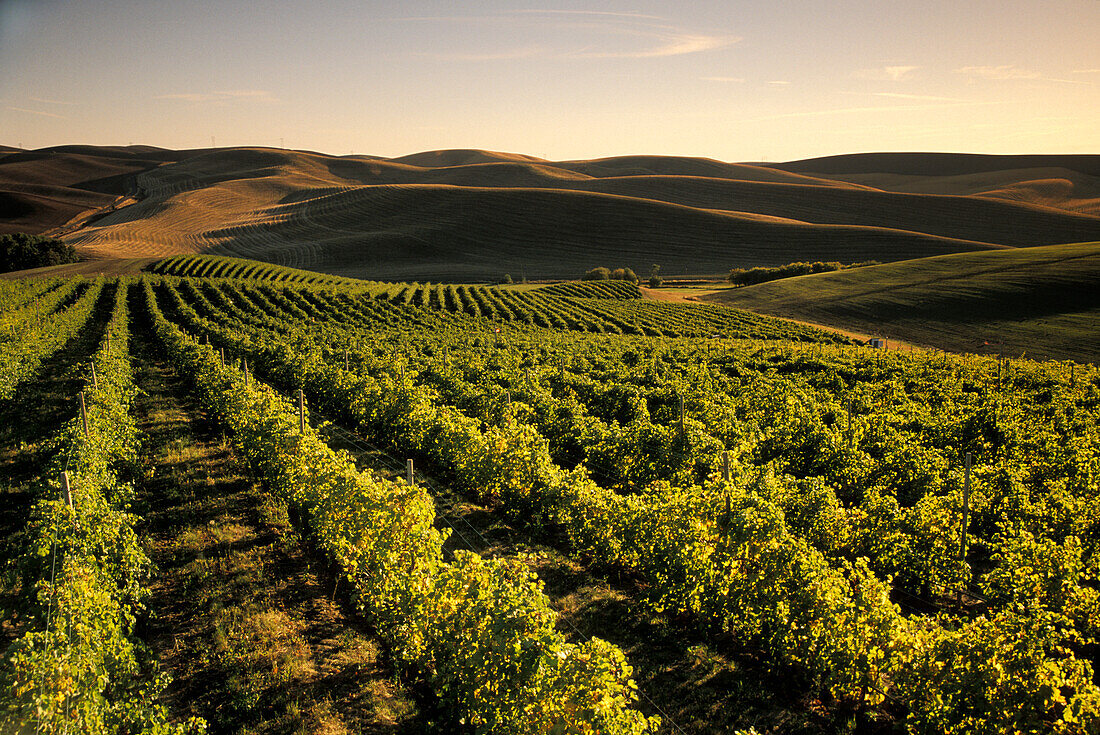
751, 276
20, 250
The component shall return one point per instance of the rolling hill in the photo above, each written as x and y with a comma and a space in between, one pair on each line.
1068, 182
474, 215
44, 189
1043, 301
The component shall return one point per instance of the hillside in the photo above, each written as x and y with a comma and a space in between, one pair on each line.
1068, 182
43, 189
1043, 301
473, 215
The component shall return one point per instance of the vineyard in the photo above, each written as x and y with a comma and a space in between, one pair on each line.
562, 509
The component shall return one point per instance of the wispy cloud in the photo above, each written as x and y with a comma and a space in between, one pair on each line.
651, 35
36, 112
999, 73
885, 73
863, 110
258, 95
732, 80
903, 96
1007, 72
1085, 71
42, 101
779, 83
608, 13
668, 44
527, 52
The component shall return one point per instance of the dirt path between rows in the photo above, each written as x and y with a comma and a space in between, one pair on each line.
698, 685
242, 616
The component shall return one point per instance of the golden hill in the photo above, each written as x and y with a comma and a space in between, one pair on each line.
1069, 182
472, 214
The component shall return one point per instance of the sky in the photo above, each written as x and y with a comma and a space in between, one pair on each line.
735, 80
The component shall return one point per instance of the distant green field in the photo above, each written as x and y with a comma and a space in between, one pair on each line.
1044, 301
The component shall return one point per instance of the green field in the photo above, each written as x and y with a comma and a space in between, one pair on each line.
704, 519
1042, 301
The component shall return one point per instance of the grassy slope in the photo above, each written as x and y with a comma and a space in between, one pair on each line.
1044, 300
97, 267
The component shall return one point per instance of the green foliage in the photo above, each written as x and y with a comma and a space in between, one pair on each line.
481, 629
845, 483
19, 251
78, 668
624, 274
742, 277
42, 326
605, 274
217, 266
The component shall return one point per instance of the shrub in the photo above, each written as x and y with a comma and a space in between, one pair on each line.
624, 274
597, 274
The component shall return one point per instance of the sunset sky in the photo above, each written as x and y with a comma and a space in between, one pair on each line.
738, 81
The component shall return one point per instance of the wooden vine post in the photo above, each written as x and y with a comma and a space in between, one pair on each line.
965, 520
66, 491
409, 472
850, 437
965, 508
95, 379
84, 415
301, 412
683, 429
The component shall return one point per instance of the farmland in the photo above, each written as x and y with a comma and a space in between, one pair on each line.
472, 215
623, 515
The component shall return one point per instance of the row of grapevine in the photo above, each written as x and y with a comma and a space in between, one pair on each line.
481, 629
28, 306
79, 669
593, 290
208, 266
16, 294
887, 495
847, 422
586, 307
724, 553
21, 356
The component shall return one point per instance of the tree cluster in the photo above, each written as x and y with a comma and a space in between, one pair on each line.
605, 274
20, 250
751, 276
